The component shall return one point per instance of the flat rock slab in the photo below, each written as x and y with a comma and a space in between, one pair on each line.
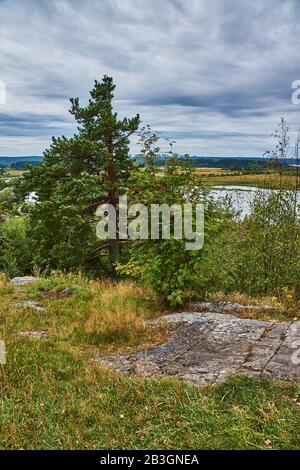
35, 334
230, 307
32, 305
208, 347
22, 281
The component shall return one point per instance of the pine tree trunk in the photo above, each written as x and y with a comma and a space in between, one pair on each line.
113, 199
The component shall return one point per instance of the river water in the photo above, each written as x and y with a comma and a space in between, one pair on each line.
241, 197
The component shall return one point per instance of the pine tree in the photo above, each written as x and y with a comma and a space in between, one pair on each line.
77, 175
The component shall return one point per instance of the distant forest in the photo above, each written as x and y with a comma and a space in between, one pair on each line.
19, 163
242, 164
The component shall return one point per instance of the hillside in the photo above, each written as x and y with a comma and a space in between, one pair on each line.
55, 395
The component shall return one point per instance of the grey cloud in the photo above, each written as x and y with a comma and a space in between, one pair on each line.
215, 74
30, 125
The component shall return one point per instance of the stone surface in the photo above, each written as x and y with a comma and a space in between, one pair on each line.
35, 334
33, 305
229, 307
207, 347
52, 294
22, 281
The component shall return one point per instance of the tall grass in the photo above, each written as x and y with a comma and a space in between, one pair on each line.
82, 312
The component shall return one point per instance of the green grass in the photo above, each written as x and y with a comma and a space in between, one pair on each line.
53, 396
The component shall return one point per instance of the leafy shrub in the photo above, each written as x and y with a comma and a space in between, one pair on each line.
165, 265
15, 253
261, 255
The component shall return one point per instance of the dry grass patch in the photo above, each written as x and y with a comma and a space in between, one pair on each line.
262, 180
278, 309
211, 171
97, 313
245, 299
3, 282
119, 312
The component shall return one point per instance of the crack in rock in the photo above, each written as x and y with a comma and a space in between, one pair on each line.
283, 337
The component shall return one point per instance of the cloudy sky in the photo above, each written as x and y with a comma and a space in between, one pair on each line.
213, 75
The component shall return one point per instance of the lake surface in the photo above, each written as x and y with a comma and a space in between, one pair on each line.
241, 197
